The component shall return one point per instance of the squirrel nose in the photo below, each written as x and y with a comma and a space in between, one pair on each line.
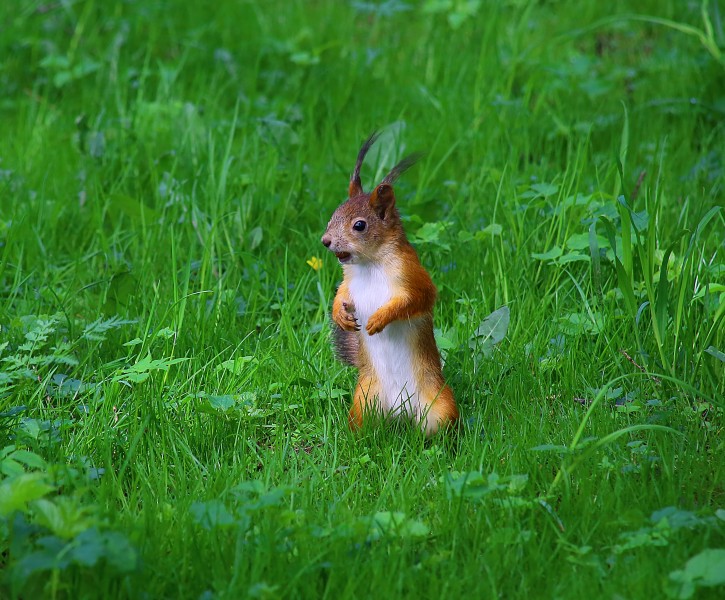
326, 241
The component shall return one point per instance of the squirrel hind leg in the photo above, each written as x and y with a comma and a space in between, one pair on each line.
346, 345
365, 401
442, 412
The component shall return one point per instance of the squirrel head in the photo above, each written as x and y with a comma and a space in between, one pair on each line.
366, 226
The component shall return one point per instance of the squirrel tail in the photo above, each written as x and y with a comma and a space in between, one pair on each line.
346, 345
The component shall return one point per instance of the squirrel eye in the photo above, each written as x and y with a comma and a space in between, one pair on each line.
359, 226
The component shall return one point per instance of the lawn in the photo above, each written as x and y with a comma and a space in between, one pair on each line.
173, 421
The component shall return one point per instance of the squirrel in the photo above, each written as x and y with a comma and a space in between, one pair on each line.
383, 309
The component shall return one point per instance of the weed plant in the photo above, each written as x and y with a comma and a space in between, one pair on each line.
172, 418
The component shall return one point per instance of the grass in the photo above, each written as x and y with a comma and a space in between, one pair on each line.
172, 418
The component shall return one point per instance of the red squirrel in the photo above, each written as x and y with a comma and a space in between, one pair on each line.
383, 309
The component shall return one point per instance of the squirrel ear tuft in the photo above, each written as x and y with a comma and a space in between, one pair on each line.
382, 199
355, 188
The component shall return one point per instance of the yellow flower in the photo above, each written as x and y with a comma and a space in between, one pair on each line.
315, 263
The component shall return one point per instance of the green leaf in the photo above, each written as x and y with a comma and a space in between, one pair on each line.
272, 497
474, 486
134, 209
256, 236
551, 254
431, 233
550, 448
447, 340
489, 231
304, 58
252, 495
570, 257
49, 557
706, 569
544, 189
516, 482
15, 494
643, 538
120, 553
466, 485
88, 549
140, 371
491, 331
29, 459
165, 333
92, 545
121, 291
135, 377
262, 589
395, 524
236, 365
712, 288
211, 514
640, 220
431, 7
389, 148
712, 351
250, 487
581, 241
223, 403
677, 518
97, 330
64, 516
11, 468
582, 322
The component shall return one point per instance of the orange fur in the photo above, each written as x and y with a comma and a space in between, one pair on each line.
413, 297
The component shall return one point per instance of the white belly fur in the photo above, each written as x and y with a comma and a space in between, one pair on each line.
390, 350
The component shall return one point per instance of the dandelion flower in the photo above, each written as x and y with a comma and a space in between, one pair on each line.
315, 263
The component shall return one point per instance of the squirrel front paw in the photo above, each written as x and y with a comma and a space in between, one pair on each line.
344, 317
376, 323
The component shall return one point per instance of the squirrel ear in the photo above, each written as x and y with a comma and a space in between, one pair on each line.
382, 199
